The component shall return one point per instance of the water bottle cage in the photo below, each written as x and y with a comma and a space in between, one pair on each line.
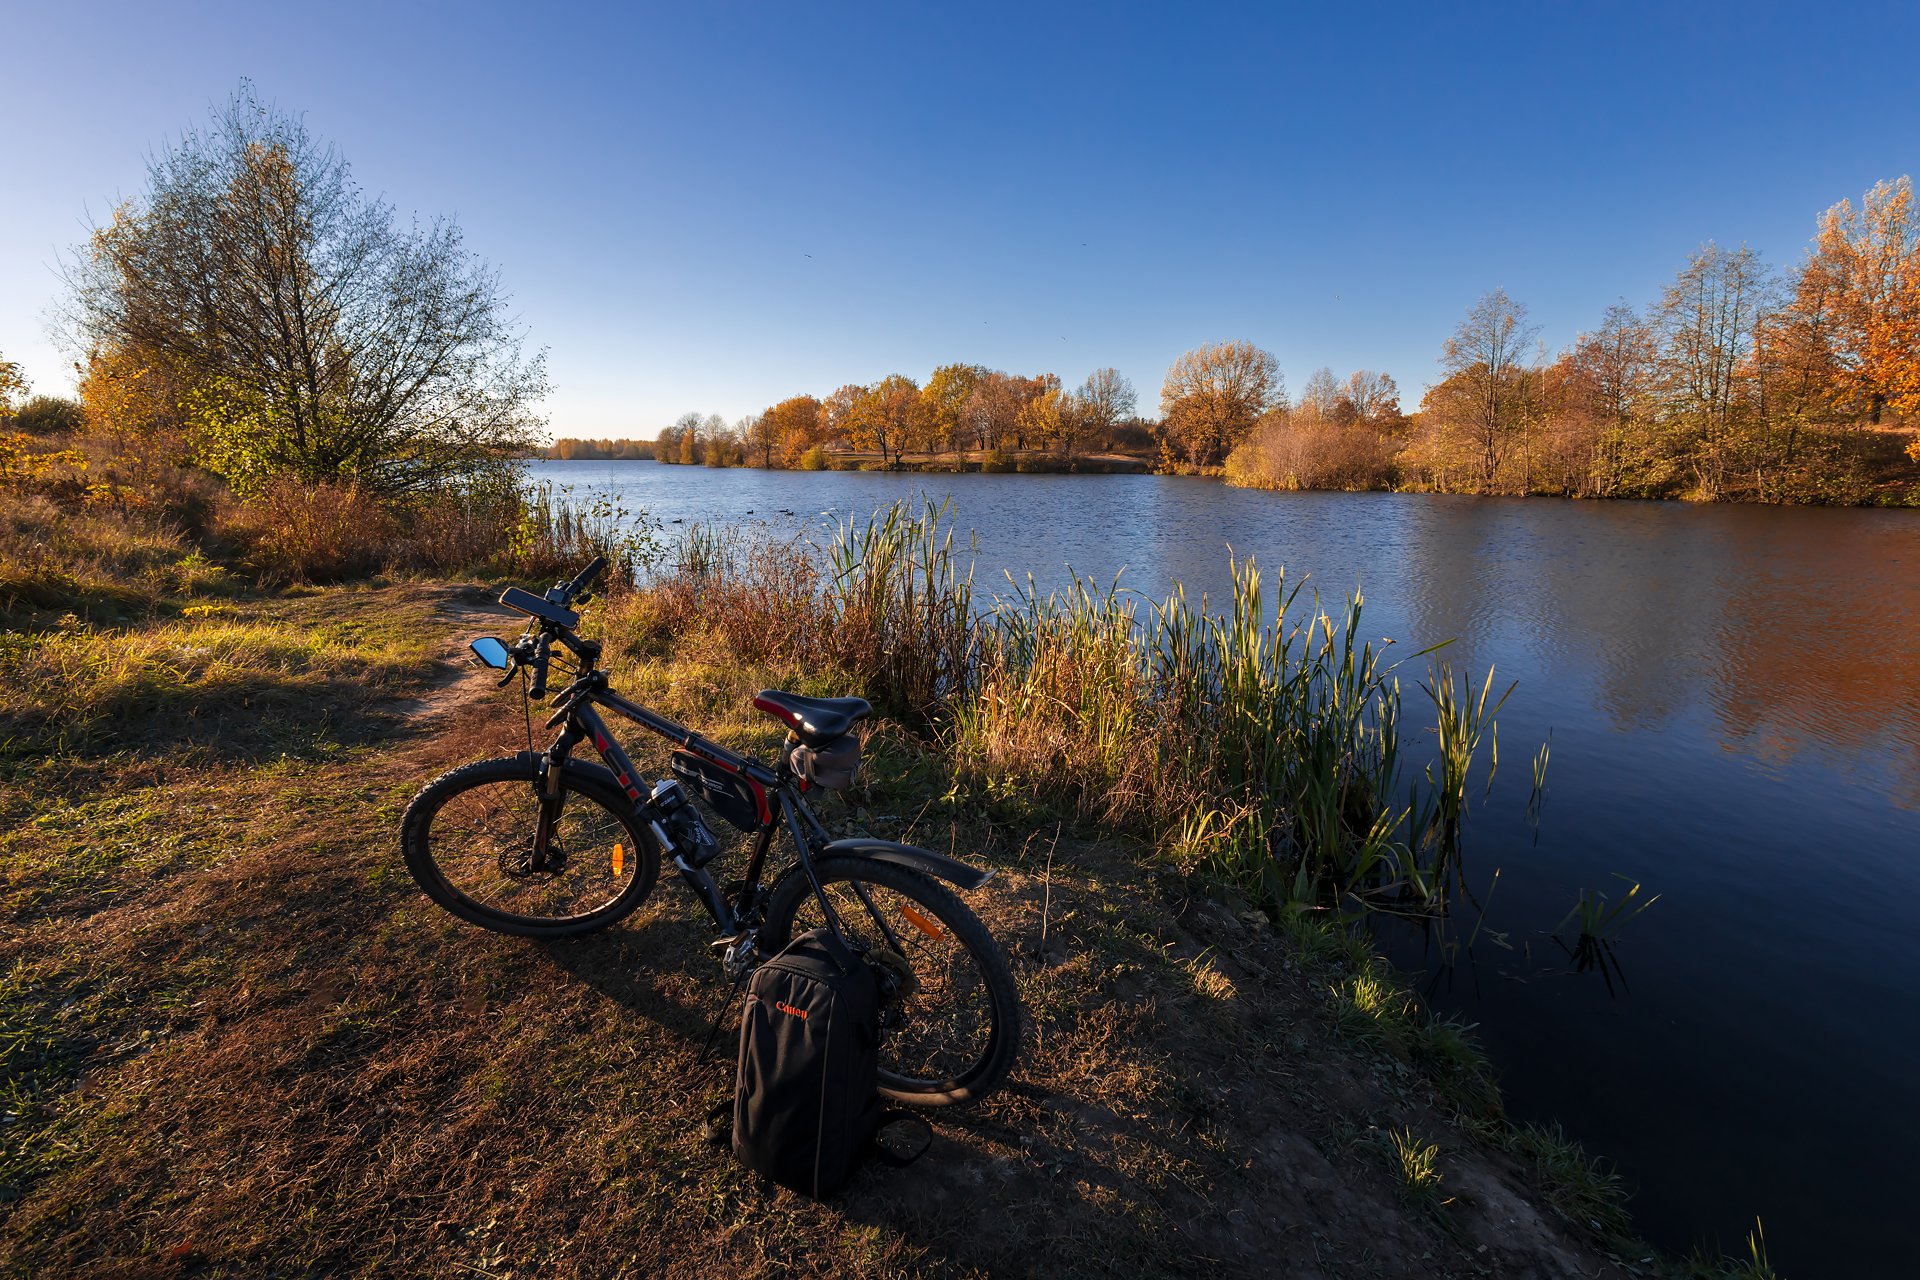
691, 839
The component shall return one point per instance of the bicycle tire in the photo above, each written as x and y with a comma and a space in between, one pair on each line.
588, 790
984, 1069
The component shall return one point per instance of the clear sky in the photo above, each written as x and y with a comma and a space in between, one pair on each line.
709, 207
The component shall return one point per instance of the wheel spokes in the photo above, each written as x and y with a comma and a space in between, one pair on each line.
482, 843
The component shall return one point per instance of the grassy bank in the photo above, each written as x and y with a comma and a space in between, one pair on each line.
237, 1041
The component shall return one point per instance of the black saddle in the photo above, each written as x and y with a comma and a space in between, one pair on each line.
815, 720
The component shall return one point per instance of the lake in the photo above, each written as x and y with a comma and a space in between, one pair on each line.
1733, 698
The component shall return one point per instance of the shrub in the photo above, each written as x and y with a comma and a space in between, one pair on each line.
814, 459
316, 532
49, 415
1300, 451
996, 459
757, 594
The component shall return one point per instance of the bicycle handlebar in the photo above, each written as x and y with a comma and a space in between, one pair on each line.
585, 577
556, 621
541, 652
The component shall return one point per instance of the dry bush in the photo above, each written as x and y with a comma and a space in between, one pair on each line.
451, 530
755, 591
1302, 451
317, 532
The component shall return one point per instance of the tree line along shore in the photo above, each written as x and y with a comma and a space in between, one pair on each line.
1739, 382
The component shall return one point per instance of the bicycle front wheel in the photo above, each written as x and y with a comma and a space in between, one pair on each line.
953, 1031
468, 838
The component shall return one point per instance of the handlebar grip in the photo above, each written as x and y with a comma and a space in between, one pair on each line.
538, 689
585, 577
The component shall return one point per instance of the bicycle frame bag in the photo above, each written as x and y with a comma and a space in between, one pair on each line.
727, 794
831, 765
807, 1104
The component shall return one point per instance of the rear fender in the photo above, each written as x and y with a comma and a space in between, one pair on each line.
925, 861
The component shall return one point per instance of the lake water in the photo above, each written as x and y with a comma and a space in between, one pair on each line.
1733, 695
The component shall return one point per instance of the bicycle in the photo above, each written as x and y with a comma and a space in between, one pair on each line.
545, 845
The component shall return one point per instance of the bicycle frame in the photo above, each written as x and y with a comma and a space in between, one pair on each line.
773, 788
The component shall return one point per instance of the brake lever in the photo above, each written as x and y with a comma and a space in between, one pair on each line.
507, 679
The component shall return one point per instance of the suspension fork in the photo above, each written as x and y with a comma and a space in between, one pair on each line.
553, 768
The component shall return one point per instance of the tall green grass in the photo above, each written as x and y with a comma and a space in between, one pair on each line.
1267, 752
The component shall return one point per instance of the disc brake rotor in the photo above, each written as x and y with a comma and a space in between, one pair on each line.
517, 864
907, 981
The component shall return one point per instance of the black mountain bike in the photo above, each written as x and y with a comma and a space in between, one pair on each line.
545, 845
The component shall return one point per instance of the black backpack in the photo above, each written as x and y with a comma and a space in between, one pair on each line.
806, 1103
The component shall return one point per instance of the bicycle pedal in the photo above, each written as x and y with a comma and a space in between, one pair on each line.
721, 944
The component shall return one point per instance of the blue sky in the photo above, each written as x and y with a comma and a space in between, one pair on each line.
1029, 187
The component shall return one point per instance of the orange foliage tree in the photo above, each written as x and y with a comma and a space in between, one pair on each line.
1859, 298
1214, 394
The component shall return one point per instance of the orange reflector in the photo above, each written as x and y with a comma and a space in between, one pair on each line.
924, 925
619, 858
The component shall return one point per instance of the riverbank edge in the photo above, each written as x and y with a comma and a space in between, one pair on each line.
1373, 1005
1371, 1009
1046, 463
1374, 1009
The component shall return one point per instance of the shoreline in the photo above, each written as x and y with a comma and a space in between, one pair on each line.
1103, 465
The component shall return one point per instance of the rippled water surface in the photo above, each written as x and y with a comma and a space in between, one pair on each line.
1733, 695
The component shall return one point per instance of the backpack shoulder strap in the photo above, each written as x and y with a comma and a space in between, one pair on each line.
717, 1128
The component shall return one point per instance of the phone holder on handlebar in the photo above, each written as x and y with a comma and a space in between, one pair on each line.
533, 606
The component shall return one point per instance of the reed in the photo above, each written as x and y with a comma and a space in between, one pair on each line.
900, 608
1269, 753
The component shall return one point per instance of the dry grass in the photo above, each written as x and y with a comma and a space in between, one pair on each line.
238, 1042
221, 672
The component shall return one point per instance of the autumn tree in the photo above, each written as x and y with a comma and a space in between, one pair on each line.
1320, 397
720, 443
1706, 321
1483, 398
886, 417
794, 427
681, 443
992, 412
944, 401
1037, 421
838, 411
1601, 393
313, 332
1859, 299
138, 398
1103, 401
1371, 398
1213, 395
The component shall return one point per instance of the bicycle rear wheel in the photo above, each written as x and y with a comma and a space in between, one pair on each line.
468, 840
953, 1030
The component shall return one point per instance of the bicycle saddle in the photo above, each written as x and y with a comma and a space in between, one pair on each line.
815, 720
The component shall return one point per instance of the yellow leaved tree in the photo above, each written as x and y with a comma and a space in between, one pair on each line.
1862, 280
